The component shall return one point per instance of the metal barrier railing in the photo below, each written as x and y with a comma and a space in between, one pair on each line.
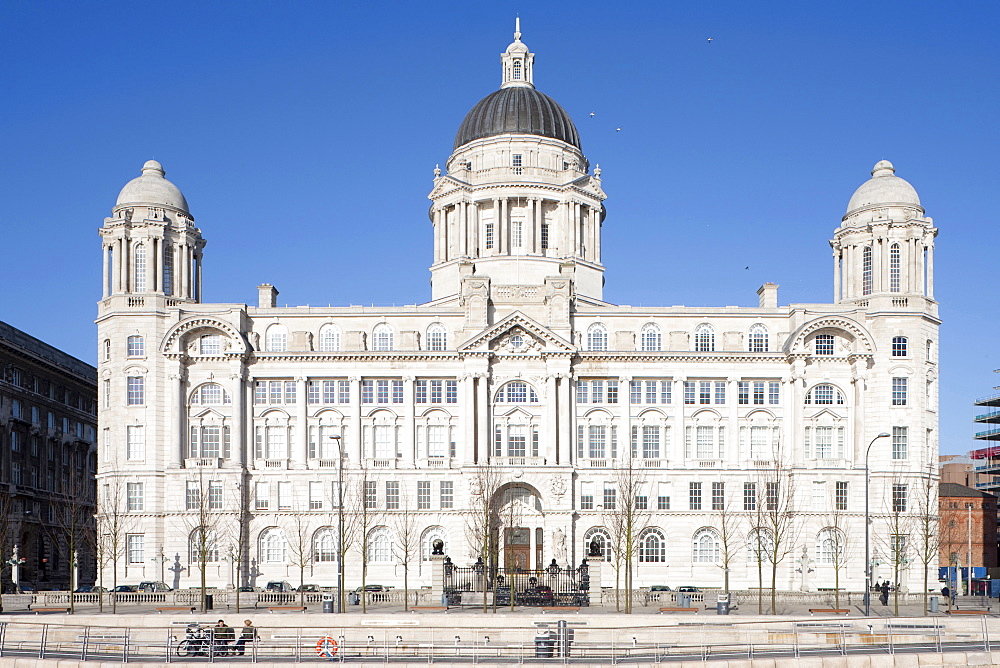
550, 640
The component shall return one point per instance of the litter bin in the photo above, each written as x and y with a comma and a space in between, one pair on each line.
545, 645
722, 604
327, 602
935, 605
354, 598
684, 600
209, 602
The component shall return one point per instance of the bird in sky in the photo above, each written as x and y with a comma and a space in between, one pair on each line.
709, 40
592, 114
618, 129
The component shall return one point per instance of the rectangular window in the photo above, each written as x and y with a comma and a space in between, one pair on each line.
610, 498
135, 442
312, 392
663, 502
586, 496
597, 392
720, 392
694, 496
899, 391
899, 498
651, 442
371, 494
758, 392
774, 393
689, 390
641, 502
344, 391
423, 495
436, 388
824, 344
517, 161
284, 496
397, 391
329, 391
192, 495
899, 346
274, 394
771, 498
718, 496
704, 444
367, 391
135, 548
136, 391
612, 396
489, 235
545, 236
392, 495
262, 495
900, 445
215, 495
666, 387
316, 495
451, 391
635, 392
841, 495
420, 392
742, 392
260, 392
704, 392
598, 448
750, 496
517, 231
447, 490
136, 346
134, 496
651, 387
289, 391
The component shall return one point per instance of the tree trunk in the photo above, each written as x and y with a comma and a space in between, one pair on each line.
406, 587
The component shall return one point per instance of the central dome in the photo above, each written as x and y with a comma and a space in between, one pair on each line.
517, 110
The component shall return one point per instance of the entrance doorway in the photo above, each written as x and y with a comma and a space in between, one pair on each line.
517, 548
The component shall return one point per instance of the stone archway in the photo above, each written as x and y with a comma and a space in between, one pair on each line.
520, 522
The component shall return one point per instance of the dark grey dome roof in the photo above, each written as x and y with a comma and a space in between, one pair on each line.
517, 109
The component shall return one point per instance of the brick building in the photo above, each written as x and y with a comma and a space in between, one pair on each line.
968, 518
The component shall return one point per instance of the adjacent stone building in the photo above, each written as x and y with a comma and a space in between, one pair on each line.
48, 459
225, 412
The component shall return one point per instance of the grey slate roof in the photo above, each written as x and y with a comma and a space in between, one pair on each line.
517, 109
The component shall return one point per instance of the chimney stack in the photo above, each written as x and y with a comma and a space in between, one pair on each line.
267, 296
768, 294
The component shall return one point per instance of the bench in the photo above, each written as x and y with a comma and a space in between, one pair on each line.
829, 611
182, 608
678, 609
297, 608
415, 608
37, 610
968, 612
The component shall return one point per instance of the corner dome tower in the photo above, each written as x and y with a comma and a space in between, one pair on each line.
152, 189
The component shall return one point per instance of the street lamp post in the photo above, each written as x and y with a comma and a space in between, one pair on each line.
340, 520
868, 562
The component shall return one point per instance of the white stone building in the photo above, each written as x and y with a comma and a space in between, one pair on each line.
517, 361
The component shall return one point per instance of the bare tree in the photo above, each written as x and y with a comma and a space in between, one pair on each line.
299, 533
239, 532
73, 522
407, 544
626, 514
368, 517
928, 535
114, 523
729, 536
834, 540
347, 530
776, 512
898, 523
482, 519
203, 501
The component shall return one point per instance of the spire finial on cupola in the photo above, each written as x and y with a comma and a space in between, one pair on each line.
517, 62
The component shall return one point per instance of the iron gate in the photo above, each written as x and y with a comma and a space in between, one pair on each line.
551, 586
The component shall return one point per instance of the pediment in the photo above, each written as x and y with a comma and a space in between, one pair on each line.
445, 185
517, 334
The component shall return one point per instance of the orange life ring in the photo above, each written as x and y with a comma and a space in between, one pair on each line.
326, 646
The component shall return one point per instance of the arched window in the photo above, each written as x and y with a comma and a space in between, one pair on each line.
601, 535
329, 338
325, 545
273, 546
107, 350
380, 546
210, 344
168, 270
760, 545
136, 346
382, 338
707, 548
517, 70
758, 338
649, 337
139, 268
824, 394
437, 337
652, 547
704, 338
830, 546
866, 271
430, 535
276, 340
894, 268
203, 544
597, 337
517, 392
210, 394
899, 346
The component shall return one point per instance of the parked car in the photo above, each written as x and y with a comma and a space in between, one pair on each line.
89, 589
25, 587
688, 589
154, 587
660, 588
121, 589
279, 586
248, 588
308, 587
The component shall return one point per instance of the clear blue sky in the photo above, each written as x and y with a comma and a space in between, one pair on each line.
319, 124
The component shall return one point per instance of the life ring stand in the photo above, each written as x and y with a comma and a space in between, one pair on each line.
326, 646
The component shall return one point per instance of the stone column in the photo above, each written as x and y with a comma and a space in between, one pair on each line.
483, 442
123, 267
837, 296
176, 449
531, 232
238, 423
549, 451
565, 405
438, 255
878, 265
503, 227
300, 449
929, 290
105, 278
467, 424
463, 229
408, 435
353, 448
474, 223
437, 579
